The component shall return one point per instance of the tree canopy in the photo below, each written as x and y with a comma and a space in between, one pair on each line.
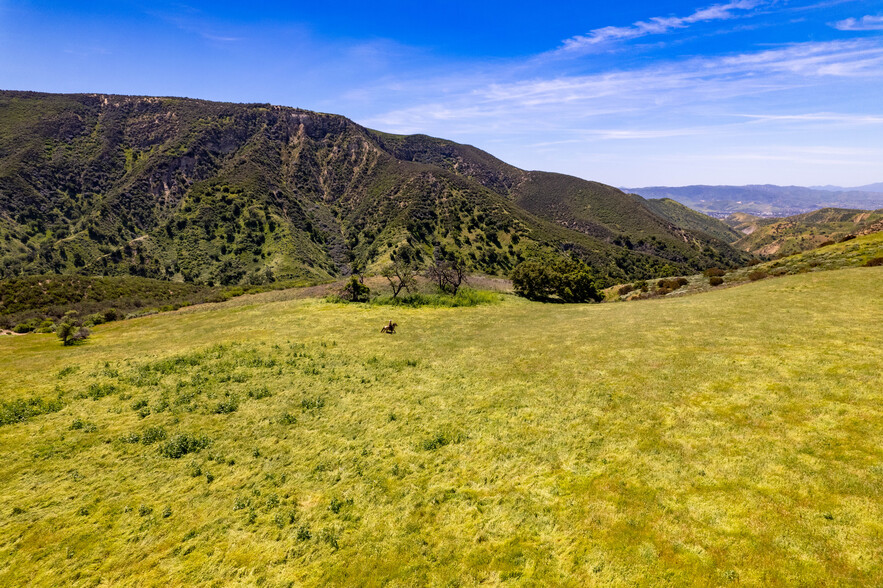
568, 280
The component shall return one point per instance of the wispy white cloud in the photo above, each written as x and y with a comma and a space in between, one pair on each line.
566, 101
220, 38
657, 25
191, 20
865, 23
835, 58
824, 117
545, 113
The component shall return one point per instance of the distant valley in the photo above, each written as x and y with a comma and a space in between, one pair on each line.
767, 200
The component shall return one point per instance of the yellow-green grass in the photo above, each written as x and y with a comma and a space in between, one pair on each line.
734, 436
852, 253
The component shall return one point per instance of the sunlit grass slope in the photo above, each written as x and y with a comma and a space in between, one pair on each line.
734, 436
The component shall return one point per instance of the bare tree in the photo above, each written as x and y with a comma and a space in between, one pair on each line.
448, 274
401, 275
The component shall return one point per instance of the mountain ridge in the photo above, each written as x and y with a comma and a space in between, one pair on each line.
222, 193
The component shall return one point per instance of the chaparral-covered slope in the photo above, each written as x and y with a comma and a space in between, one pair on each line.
221, 193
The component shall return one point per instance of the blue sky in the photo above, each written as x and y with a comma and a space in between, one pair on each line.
630, 94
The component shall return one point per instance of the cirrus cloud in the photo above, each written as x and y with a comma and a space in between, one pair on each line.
658, 25
865, 23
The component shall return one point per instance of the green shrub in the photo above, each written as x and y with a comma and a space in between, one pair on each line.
714, 272
94, 319
533, 280
757, 275
312, 403
337, 504
182, 444
440, 439
334, 299
17, 411
226, 406
46, 326
623, 290
152, 435
260, 393
330, 537
85, 426
568, 280
355, 291
66, 371
672, 284
130, 438
26, 326
96, 391
464, 297
71, 334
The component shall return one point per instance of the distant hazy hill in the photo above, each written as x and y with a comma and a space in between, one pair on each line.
793, 234
766, 200
878, 187
217, 193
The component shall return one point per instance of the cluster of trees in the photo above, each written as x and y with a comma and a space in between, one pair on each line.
447, 271
567, 280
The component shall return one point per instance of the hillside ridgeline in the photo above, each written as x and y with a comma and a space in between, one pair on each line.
802, 232
223, 194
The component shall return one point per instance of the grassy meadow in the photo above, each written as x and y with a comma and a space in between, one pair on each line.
732, 437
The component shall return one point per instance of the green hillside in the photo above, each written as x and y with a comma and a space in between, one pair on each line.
224, 194
26, 302
728, 437
628, 221
689, 219
863, 251
793, 234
